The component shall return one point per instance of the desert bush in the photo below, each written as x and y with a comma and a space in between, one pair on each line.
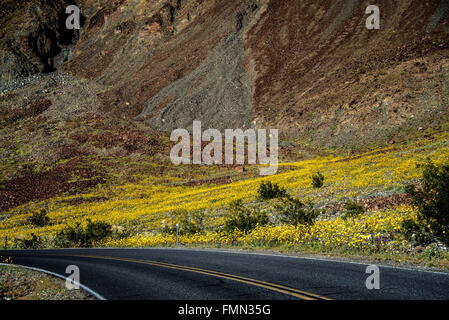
189, 222
243, 218
78, 236
34, 242
317, 180
295, 212
39, 219
268, 190
352, 210
415, 232
432, 203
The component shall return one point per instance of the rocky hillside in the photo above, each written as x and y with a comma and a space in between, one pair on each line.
308, 67
139, 68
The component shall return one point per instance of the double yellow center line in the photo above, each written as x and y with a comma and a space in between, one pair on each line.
254, 282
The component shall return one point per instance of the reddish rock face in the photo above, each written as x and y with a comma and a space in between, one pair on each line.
154, 27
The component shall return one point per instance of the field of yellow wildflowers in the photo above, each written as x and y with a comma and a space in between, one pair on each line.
378, 230
143, 207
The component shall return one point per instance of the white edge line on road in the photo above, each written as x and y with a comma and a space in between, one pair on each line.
87, 289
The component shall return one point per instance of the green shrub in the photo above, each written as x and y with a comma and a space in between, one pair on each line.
96, 231
352, 210
432, 201
70, 236
317, 180
39, 219
268, 190
292, 211
77, 236
35, 242
416, 233
189, 222
243, 218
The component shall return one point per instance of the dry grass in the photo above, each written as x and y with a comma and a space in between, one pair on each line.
23, 284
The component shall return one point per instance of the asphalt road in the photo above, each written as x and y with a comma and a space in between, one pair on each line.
179, 274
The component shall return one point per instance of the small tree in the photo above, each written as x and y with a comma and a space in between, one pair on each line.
77, 236
39, 219
268, 190
96, 231
293, 211
317, 180
242, 218
432, 202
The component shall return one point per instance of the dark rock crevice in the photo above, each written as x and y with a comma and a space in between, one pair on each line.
34, 38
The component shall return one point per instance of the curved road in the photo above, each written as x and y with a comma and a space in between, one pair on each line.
181, 274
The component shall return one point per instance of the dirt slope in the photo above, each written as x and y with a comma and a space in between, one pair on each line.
338, 83
308, 67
